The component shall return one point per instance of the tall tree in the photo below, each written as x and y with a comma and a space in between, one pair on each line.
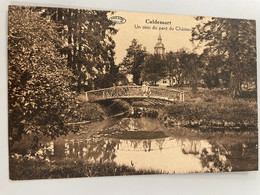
183, 67
39, 96
177, 63
132, 62
235, 41
89, 46
192, 69
212, 70
173, 69
154, 68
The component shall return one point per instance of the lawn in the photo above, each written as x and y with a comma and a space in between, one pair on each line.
25, 169
212, 108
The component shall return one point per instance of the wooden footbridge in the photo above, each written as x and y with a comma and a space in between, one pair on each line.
135, 92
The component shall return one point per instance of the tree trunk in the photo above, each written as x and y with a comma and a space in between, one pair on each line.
234, 85
69, 42
79, 86
178, 80
194, 85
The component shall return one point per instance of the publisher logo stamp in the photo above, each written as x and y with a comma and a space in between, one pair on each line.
117, 19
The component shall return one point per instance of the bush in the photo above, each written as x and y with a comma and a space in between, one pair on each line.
24, 169
212, 108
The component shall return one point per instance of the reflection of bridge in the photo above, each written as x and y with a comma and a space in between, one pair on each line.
135, 92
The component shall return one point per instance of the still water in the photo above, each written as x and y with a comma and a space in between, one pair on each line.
145, 144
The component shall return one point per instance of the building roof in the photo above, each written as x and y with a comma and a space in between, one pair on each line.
159, 44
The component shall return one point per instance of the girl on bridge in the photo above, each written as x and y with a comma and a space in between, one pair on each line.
145, 89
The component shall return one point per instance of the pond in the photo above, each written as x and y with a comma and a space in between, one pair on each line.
145, 144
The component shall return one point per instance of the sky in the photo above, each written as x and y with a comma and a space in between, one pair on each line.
173, 37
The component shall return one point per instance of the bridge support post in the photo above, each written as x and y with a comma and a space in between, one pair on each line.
182, 96
86, 93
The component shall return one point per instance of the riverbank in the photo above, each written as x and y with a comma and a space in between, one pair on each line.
90, 111
206, 109
87, 111
212, 109
26, 169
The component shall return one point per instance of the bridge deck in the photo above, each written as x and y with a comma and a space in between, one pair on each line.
135, 92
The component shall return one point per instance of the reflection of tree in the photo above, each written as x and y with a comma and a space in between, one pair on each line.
98, 150
135, 143
244, 155
147, 145
192, 147
160, 143
215, 160
212, 155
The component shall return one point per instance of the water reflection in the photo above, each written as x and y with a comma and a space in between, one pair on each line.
168, 155
143, 143
165, 155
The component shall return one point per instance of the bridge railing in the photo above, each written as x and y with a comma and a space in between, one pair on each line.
135, 92
168, 94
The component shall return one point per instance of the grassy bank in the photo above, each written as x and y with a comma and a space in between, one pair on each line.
90, 111
25, 169
212, 108
206, 108
87, 111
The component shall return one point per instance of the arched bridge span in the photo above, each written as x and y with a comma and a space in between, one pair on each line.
135, 92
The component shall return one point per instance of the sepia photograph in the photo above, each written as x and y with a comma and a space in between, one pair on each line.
109, 93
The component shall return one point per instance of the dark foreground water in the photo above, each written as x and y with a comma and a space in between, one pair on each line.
145, 144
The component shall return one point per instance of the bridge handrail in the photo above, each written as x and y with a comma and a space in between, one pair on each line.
169, 89
122, 86
133, 86
137, 91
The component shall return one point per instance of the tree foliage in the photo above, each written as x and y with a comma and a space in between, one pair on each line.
234, 40
213, 73
192, 69
39, 96
132, 62
184, 67
89, 46
173, 68
154, 68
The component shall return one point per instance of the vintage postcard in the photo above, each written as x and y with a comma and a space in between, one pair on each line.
110, 93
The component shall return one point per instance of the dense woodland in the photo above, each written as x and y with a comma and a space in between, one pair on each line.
54, 54
227, 61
